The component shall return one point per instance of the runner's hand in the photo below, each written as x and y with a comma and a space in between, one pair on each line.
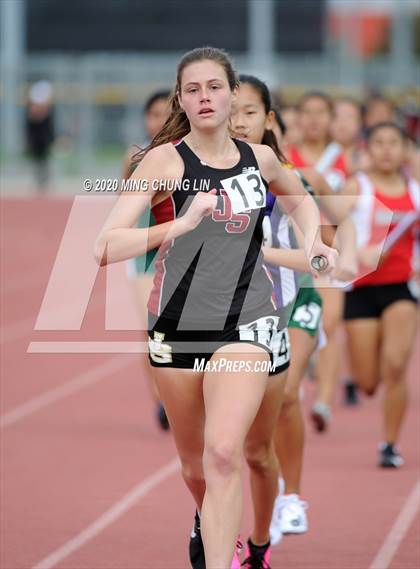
201, 206
319, 248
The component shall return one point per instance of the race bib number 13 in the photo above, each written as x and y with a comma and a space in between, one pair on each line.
245, 191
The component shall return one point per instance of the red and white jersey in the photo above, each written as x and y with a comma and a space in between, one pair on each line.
377, 215
331, 164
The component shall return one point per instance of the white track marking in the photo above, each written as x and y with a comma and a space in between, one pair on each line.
110, 516
398, 531
82, 381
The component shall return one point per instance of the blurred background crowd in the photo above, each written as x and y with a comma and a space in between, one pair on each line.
76, 75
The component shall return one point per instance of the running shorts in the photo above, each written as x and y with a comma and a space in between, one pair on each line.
193, 349
371, 301
306, 314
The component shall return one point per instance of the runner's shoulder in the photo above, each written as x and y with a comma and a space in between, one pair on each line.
164, 161
266, 158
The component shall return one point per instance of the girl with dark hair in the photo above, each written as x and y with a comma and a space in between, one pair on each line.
213, 327
318, 151
346, 129
380, 310
253, 120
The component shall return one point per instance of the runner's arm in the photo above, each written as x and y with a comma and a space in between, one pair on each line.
294, 259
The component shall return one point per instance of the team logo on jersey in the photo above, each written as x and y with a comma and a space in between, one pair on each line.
234, 222
158, 336
159, 352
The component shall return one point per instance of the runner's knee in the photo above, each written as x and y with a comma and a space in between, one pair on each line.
192, 469
394, 363
221, 457
291, 398
368, 384
259, 456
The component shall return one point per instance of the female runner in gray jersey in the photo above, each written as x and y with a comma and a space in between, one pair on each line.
218, 296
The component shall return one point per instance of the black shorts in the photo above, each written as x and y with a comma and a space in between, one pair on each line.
371, 301
192, 349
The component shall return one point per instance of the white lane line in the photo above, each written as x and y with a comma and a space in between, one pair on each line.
110, 516
81, 381
398, 531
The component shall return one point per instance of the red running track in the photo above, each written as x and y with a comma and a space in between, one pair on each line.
87, 475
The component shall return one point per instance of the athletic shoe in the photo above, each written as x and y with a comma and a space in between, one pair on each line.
197, 558
257, 557
292, 514
162, 418
389, 457
351, 395
321, 416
